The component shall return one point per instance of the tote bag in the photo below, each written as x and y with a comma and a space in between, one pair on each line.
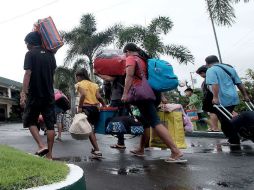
142, 91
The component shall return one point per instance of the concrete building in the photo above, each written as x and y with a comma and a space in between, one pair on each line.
9, 97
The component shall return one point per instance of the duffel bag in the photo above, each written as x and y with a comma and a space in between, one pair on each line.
161, 76
124, 125
50, 36
110, 62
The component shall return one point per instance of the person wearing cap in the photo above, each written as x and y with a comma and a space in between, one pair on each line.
37, 95
221, 80
207, 101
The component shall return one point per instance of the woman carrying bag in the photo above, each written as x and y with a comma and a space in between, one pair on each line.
90, 99
139, 93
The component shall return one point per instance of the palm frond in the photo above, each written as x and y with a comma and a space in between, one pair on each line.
160, 25
181, 53
79, 64
153, 45
88, 24
237, 1
133, 34
221, 11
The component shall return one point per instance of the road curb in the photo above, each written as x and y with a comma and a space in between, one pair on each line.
74, 180
205, 134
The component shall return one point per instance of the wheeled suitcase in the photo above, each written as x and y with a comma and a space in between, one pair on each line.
243, 123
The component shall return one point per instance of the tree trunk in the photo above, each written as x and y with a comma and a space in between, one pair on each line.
91, 68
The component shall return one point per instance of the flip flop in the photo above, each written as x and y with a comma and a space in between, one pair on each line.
135, 153
116, 146
42, 152
176, 161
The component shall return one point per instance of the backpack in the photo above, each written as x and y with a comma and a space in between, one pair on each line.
161, 76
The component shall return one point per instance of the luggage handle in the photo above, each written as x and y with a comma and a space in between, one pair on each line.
223, 110
250, 105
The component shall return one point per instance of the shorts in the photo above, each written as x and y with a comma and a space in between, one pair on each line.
59, 118
36, 106
92, 113
148, 113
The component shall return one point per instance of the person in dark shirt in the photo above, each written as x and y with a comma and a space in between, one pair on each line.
117, 86
37, 95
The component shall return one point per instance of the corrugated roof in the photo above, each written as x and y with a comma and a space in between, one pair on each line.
7, 83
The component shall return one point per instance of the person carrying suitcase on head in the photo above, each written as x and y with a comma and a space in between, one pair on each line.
221, 80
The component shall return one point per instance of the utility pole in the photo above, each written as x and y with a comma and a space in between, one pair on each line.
214, 31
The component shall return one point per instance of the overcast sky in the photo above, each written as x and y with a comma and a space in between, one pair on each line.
192, 28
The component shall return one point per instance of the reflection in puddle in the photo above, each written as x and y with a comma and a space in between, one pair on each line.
72, 159
219, 148
130, 170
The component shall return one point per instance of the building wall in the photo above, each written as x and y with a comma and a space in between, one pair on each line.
7, 100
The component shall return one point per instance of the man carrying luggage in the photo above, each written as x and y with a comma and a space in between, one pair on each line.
221, 79
37, 94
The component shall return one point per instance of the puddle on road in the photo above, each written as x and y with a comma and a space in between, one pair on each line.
130, 170
218, 148
72, 159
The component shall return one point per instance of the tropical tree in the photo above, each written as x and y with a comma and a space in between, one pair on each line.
84, 40
150, 39
222, 11
248, 82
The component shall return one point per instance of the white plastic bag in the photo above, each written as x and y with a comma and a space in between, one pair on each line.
80, 128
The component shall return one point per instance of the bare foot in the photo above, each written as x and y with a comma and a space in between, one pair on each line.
176, 155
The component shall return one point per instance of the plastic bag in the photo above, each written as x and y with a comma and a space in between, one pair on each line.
80, 128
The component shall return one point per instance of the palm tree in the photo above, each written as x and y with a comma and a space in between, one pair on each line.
65, 80
222, 11
85, 41
149, 38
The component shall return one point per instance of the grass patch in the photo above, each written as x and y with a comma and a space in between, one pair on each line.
19, 170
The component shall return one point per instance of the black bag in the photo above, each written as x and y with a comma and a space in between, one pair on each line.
63, 103
243, 124
207, 99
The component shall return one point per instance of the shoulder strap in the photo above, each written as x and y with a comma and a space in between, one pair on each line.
140, 69
226, 71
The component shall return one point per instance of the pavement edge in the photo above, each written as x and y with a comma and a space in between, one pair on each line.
74, 180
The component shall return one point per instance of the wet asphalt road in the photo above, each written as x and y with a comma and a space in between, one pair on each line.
210, 166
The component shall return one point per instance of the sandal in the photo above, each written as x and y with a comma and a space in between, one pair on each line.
137, 153
117, 146
96, 153
42, 152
